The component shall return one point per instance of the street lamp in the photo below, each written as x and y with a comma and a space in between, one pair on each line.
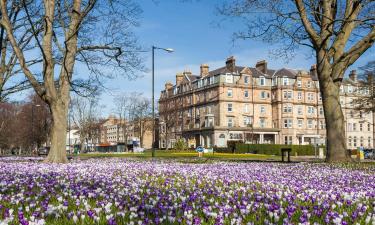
32, 124
170, 50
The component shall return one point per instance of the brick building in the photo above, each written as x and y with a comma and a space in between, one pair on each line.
256, 105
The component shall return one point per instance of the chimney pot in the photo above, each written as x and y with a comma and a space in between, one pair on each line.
179, 78
204, 70
168, 85
231, 64
262, 66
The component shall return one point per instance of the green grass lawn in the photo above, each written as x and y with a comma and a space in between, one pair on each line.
174, 154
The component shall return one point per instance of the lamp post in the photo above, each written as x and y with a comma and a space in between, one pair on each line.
32, 124
153, 94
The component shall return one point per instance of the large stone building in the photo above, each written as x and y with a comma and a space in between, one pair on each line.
256, 105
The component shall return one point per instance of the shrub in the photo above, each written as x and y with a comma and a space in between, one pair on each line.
181, 145
275, 149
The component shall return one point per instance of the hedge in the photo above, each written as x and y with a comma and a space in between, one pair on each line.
271, 149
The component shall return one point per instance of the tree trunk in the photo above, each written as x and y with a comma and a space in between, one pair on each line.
335, 123
81, 141
57, 153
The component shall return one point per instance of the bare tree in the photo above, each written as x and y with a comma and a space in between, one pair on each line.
86, 115
142, 116
94, 33
366, 100
337, 31
123, 105
11, 77
24, 125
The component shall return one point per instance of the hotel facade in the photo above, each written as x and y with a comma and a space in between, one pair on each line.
255, 105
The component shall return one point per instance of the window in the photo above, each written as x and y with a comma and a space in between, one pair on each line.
230, 121
246, 108
350, 127
288, 123
262, 109
247, 79
288, 140
288, 109
262, 122
361, 139
247, 120
309, 84
246, 94
263, 95
354, 127
368, 127
310, 110
320, 96
288, 94
300, 123
299, 83
189, 112
361, 127
350, 141
310, 124
262, 81
210, 122
310, 96
285, 81
229, 78
299, 95
274, 81
230, 93
230, 107
350, 89
321, 111
322, 125
300, 110
355, 141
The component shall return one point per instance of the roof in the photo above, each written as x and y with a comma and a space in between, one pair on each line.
224, 69
284, 72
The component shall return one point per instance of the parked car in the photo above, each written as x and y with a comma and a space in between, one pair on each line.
43, 151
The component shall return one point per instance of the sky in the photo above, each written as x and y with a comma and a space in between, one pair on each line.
190, 29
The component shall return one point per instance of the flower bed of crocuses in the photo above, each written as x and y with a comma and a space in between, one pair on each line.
130, 191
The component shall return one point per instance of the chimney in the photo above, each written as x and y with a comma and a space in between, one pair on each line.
231, 64
204, 70
168, 85
179, 78
313, 71
353, 75
262, 66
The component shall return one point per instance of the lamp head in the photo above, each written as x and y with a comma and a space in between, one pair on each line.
170, 50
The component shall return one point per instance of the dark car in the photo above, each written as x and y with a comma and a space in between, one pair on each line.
43, 151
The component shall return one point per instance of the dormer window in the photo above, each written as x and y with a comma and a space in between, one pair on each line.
262, 81
285, 81
299, 83
274, 81
247, 79
229, 78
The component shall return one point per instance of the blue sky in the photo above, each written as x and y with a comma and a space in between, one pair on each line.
190, 29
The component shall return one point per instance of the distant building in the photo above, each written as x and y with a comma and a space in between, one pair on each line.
114, 131
255, 105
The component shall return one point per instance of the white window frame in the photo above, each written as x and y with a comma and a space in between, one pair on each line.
230, 107
230, 93
262, 81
